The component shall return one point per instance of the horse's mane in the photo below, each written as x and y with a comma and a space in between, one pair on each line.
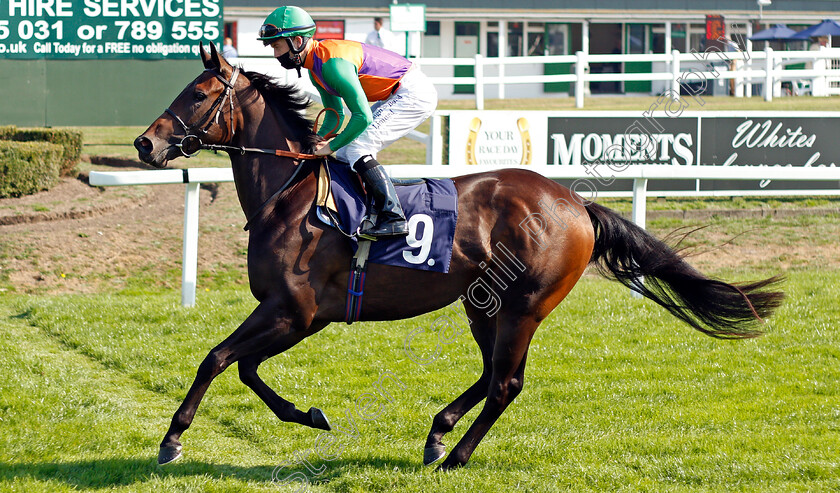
291, 103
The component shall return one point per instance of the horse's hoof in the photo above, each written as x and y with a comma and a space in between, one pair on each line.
169, 454
319, 419
433, 454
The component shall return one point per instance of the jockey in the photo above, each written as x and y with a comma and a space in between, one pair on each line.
356, 74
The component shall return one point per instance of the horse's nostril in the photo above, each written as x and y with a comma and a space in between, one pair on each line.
143, 144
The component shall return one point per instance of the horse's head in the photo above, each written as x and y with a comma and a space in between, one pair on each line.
201, 114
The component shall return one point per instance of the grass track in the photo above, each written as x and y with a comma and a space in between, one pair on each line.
619, 395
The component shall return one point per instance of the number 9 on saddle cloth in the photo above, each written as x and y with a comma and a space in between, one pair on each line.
431, 209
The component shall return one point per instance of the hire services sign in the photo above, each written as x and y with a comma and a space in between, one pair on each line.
96, 29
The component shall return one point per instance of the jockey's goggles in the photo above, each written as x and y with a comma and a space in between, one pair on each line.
269, 32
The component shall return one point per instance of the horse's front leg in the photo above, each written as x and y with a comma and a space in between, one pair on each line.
267, 324
282, 408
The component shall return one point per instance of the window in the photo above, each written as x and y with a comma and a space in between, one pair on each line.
515, 38
697, 38
556, 39
492, 39
526, 39
536, 39
231, 32
465, 28
657, 42
433, 28
636, 38
678, 37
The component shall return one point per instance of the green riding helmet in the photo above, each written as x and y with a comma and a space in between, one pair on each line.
286, 22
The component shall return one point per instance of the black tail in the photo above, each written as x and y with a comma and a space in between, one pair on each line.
626, 252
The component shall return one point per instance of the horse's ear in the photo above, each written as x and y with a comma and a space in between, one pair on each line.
218, 62
205, 57
215, 59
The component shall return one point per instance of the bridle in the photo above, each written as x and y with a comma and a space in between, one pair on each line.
191, 144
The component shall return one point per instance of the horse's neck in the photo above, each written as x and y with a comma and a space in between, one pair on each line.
258, 176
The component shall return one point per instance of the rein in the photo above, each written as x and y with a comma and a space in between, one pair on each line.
277, 152
192, 144
273, 152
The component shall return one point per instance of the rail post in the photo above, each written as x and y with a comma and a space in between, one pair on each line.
580, 79
189, 267
768, 74
479, 82
434, 144
675, 73
639, 211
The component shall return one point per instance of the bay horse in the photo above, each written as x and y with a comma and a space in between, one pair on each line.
298, 268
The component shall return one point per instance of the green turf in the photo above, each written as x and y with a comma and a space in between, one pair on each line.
618, 396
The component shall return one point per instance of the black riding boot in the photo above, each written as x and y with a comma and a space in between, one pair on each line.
389, 213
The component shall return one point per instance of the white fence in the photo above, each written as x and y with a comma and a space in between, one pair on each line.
639, 174
766, 68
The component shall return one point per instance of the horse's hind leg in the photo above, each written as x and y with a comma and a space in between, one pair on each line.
483, 330
282, 408
508, 376
263, 328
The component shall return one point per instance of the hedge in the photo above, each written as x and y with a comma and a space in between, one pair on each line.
28, 167
7, 132
70, 140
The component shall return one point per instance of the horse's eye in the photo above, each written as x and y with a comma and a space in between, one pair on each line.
199, 96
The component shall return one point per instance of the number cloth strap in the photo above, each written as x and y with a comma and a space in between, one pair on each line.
356, 282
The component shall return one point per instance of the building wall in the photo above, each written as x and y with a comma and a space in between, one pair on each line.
91, 92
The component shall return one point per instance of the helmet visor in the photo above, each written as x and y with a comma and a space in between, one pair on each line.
268, 31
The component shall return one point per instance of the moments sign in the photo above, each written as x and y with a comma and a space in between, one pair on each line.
79, 29
626, 138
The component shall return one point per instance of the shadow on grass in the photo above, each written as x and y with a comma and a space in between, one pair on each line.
323, 472
124, 472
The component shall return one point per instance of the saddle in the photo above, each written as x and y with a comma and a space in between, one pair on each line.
324, 197
431, 209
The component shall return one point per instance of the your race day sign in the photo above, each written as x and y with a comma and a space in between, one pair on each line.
97, 29
497, 137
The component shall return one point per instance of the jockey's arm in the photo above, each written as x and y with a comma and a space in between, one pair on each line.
332, 119
342, 76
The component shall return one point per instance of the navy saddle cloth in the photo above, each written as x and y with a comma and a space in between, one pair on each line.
431, 209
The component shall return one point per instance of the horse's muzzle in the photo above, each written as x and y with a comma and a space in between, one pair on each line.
144, 146
145, 151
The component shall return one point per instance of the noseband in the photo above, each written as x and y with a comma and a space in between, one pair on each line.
191, 143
